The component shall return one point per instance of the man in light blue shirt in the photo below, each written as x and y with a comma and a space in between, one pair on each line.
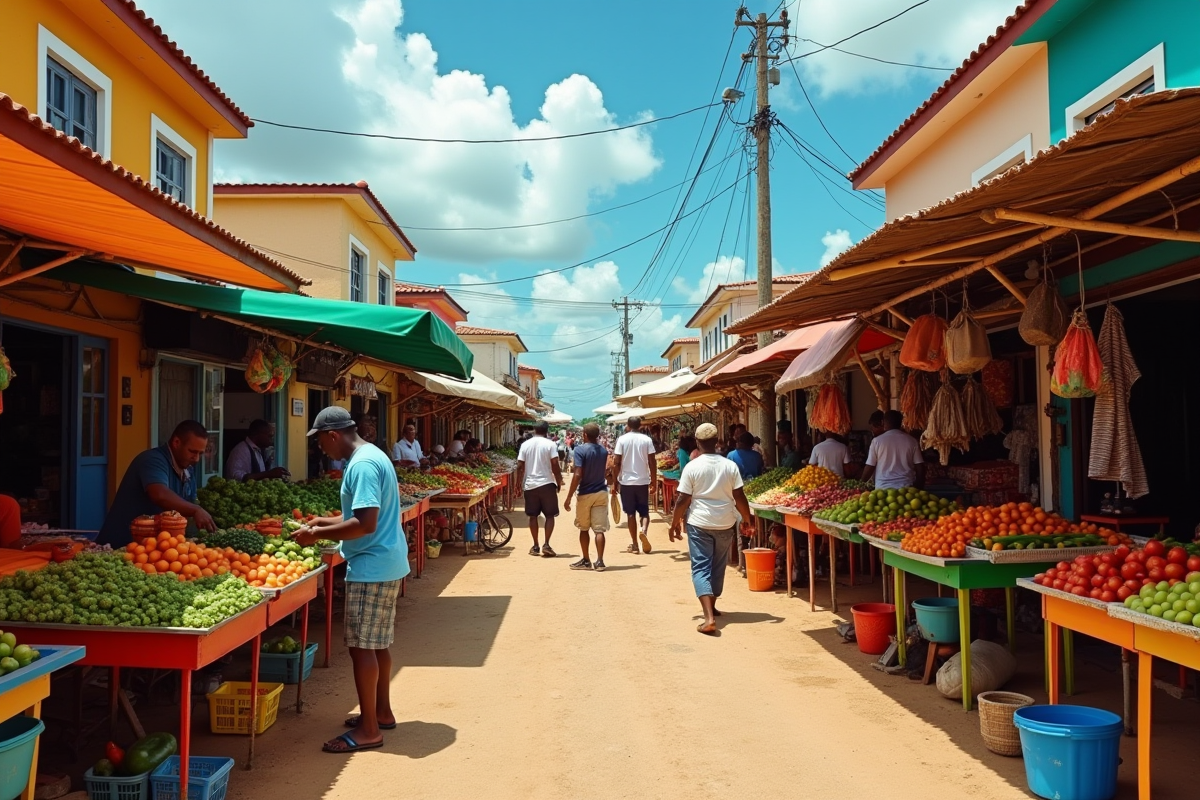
372, 541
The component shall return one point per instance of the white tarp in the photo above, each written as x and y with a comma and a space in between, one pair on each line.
557, 418
480, 390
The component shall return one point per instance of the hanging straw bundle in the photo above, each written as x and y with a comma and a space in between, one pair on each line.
947, 427
916, 400
981, 416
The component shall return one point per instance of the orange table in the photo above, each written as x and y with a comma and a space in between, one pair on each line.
284, 602
1114, 521
795, 521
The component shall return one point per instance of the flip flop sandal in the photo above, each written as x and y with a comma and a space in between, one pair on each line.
352, 722
351, 745
548, 552
645, 542
632, 549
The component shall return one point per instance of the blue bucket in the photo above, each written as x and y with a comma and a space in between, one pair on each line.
471, 531
937, 618
18, 737
1071, 752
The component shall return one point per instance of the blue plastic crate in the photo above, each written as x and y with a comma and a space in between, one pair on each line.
111, 787
208, 778
285, 667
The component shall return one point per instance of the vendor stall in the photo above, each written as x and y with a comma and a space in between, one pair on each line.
23, 691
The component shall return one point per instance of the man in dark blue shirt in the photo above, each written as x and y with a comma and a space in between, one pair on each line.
160, 479
591, 479
749, 462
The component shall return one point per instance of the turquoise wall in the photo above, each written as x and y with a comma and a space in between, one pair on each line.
1108, 35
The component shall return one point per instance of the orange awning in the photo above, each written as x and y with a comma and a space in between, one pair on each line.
54, 189
773, 358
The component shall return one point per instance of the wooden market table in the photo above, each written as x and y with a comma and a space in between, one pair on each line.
183, 649
23, 691
282, 603
1114, 521
962, 575
462, 503
834, 532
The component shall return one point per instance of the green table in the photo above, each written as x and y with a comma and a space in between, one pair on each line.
963, 575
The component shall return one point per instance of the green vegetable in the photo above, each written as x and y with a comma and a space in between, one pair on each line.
147, 753
245, 502
104, 768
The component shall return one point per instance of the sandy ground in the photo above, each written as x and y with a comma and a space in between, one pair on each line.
519, 678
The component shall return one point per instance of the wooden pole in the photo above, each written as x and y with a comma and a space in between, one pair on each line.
879, 395
909, 259
1121, 229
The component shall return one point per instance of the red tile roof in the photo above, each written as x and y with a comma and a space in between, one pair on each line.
471, 330
798, 277
359, 188
686, 340
153, 35
29, 130
1025, 15
650, 369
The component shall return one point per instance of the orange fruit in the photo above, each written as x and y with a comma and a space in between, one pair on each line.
141, 558
162, 566
171, 554
175, 566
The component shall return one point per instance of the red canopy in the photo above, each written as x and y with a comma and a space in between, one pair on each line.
774, 357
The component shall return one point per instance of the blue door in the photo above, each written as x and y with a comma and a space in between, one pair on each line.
91, 438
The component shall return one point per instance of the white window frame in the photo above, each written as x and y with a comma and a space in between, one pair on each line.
1019, 152
355, 244
389, 299
1151, 65
49, 45
160, 130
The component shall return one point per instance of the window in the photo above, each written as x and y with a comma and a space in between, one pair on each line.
1145, 75
72, 95
70, 103
92, 399
170, 171
358, 275
384, 289
1018, 153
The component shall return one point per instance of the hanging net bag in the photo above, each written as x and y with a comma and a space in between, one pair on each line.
1044, 320
267, 370
924, 347
1078, 370
967, 346
830, 413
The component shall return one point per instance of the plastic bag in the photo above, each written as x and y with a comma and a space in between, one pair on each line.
924, 347
830, 412
967, 347
992, 666
1078, 371
268, 370
1044, 320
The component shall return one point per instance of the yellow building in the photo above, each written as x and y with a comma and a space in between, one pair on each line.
343, 237
92, 388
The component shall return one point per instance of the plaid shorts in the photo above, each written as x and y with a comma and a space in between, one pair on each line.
371, 614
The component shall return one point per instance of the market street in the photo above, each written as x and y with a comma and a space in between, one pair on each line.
517, 677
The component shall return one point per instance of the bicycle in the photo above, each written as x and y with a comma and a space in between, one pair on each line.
495, 531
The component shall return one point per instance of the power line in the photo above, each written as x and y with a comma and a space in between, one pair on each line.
573, 346
821, 181
845, 39
874, 58
817, 114
392, 137
867, 198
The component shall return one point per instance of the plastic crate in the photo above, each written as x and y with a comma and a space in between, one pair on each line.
208, 778
285, 667
229, 707
101, 787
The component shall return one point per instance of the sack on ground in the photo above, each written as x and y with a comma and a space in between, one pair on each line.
992, 666
1045, 318
967, 348
924, 345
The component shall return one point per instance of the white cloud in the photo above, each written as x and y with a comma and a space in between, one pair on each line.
395, 77
940, 34
836, 243
493, 311
725, 269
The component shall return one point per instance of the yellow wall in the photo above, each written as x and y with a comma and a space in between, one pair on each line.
124, 347
135, 95
313, 232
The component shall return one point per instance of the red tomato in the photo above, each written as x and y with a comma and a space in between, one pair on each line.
1156, 561
1156, 574
1122, 552
1104, 569
1079, 590
1109, 597
1106, 558
1193, 564
1060, 585
1065, 566
1140, 555
1175, 571
1130, 569
1095, 593
1123, 592
1097, 580
1148, 582
1114, 583
1155, 548
1133, 585
1177, 555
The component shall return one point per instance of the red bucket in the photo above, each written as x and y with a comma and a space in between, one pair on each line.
874, 623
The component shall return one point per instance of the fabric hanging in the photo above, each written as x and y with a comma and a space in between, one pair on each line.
1115, 455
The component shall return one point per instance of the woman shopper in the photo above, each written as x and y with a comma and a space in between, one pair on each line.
710, 498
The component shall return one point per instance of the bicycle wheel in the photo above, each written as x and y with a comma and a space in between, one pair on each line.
496, 531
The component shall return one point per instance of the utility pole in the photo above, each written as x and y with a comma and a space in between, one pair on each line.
626, 337
617, 372
765, 75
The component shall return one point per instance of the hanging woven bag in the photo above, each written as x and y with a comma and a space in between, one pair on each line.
925, 345
967, 346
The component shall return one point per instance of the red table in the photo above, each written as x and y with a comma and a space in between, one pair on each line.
287, 601
669, 488
184, 649
1114, 521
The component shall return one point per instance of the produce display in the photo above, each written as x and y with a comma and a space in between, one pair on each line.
242, 540
500, 462
143, 756
1116, 576
416, 480
814, 500
1177, 602
459, 480
777, 496
768, 480
893, 530
887, 505
241, 502
14, 655
103, 589
810, 477
1012, 526
666, 460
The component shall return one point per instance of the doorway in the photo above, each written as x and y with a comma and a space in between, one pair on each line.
318, 399
243, 405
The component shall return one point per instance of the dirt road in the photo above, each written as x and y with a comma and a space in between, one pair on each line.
518, 678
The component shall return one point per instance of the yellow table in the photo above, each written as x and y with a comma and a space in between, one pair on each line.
23, 691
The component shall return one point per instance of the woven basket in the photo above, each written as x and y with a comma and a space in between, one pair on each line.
995, 721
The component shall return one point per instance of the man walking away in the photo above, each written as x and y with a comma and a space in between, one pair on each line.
372, 541
540, 476
636, 471
749, 462
590, 478
710, 498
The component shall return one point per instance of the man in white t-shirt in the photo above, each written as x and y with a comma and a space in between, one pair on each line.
711, 499
633, 461
455, 450
832, 454
540, 476
407, 452
894, 459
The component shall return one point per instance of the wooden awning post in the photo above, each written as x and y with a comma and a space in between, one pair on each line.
875, 387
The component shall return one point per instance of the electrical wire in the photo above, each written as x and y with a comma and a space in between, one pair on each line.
559, 137
875, 58
821, 181
845, 39
817, 114
721, 240
573, 346
868, 198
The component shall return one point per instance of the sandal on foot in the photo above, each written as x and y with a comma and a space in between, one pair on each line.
351, 746
535, 551
582, 563
711, 632
632, 549
598, 565
352, 722
547, 552
645, 542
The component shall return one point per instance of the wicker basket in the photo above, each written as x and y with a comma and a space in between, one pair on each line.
995, 721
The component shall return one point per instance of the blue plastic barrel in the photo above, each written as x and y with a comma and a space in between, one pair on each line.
18, 737
1071, 752
937, 618
471, 531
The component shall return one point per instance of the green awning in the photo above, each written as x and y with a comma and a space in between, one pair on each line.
403, 337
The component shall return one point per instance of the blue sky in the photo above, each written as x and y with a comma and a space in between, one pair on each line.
477, 69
